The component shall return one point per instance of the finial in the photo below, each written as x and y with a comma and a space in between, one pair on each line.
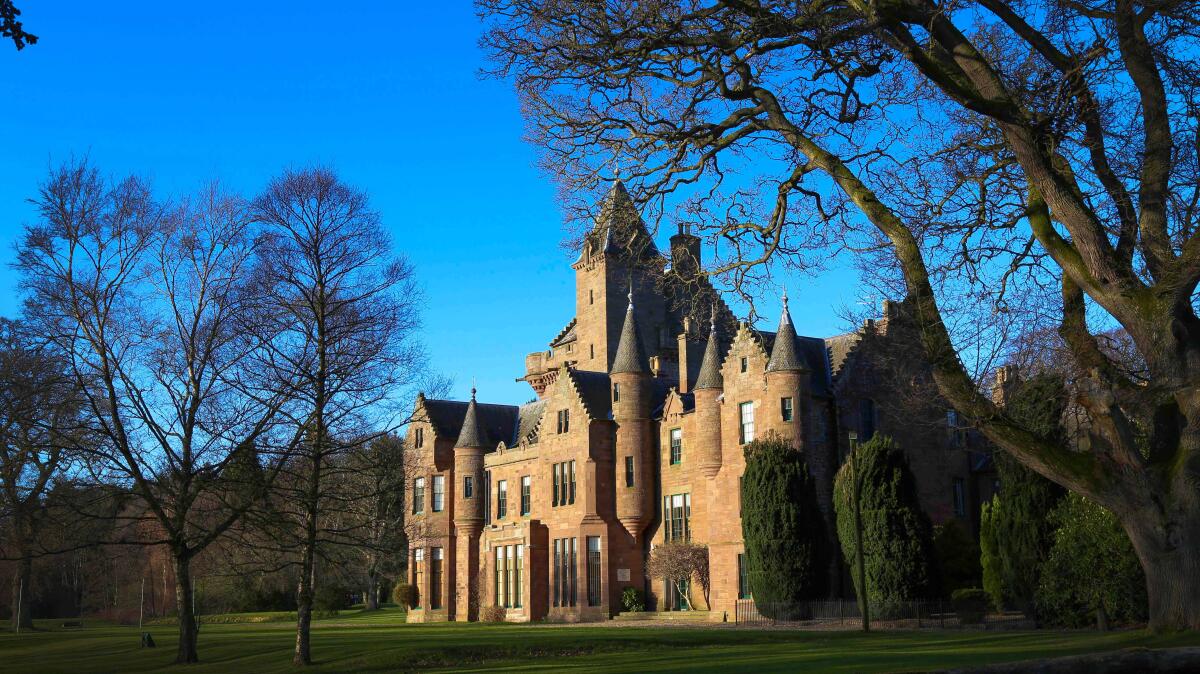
630, 296
713, 319
472, 388
617, 166
785, 306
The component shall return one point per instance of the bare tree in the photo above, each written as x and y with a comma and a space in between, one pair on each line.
147, 303
12, 28
349, 309
375, 512
680, 562
39, 424
1023, 164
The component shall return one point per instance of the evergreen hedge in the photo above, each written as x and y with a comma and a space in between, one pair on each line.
787, 545
897, 536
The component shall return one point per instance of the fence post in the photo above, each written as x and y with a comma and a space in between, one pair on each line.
942, 613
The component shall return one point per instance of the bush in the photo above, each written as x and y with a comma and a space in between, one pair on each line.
989, 553
1019, 529
787, 546
331, 597
957, 556
404, 595
897, 536
491, 614
633, 600
1092, 572
970, 605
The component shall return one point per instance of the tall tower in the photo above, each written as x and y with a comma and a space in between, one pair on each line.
630, 377
618, 254
468, 510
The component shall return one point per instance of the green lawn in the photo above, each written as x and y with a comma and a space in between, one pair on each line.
381, 642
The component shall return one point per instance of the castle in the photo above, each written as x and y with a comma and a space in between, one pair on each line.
645, 400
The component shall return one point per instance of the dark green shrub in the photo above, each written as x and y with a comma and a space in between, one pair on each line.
331, 597
970, 605
989, 553
898, 547
957, 556
787, 546
404, 595
1019, 526
633, 600
1092, 573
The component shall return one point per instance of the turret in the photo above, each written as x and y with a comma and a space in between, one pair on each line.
709, 386
630, 375
468, 465
787, 381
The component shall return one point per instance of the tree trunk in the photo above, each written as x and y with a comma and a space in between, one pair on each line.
1169, 550
371, 598
186, 653
22, 616
304, 595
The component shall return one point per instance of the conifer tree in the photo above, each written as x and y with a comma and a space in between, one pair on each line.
897, 535
787, 546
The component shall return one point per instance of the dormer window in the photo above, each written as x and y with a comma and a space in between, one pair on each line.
745, 364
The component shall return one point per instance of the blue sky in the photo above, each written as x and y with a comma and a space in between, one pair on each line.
387, 93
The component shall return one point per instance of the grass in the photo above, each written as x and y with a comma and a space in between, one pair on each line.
381, 642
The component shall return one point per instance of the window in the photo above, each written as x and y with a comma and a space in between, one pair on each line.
571, 492
591, 296
435, 579
501, 499
418, 496
960, 498
468, 487
785, 409
419, 438
592, 350
866, 418
676, 446
564, 421
439, 493
745, 363
629, 471
564, 483
487, 496
952, 418
677, 515
565, 550
743, 579
616, 392
418, 573
593, 570
525, 484
509, 562
746, 429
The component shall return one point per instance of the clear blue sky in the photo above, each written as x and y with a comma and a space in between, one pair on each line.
387, 93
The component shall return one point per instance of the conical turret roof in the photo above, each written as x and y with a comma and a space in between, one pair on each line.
472, 434
784, 355
619, 228
630, 357
710, 368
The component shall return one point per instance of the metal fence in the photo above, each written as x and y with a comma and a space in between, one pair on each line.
845, 614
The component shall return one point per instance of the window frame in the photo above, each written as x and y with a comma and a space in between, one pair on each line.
787, 409
745, 437
675, 441
501, 499
418, 496
437, 493
526, 494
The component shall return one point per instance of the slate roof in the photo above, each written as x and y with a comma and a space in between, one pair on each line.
784, 356
595, 388
812, 351
619, 227
630, 357
710, 366
496, 423
472, 433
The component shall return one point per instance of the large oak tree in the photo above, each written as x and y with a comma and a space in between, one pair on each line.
1016, 164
